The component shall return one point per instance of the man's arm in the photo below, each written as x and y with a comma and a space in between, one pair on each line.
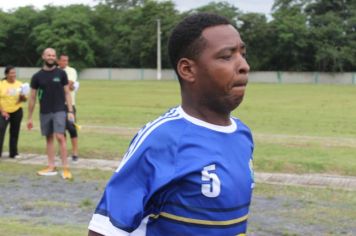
71, 85
31, 107
69, 103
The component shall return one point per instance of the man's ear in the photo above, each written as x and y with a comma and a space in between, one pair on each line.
186, 69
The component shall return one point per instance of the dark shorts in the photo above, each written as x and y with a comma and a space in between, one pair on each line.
53, 123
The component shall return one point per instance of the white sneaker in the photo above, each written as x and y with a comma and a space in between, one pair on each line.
47, 171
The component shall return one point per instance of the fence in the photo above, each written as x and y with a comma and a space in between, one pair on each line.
151, 74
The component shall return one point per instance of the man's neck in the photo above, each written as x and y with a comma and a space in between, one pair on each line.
206, 114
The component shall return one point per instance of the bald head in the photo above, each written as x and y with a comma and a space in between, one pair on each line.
49, 57
49, 50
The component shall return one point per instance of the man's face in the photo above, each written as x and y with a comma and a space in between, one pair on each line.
63, 62
222, 69
49, 57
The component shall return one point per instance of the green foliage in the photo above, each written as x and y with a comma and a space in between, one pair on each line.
134, 32
253, 29
334, 33
221, 8
122, 4
17, 46
291, 34
69, 31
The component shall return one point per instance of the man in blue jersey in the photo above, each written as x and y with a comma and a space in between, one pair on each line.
189, 172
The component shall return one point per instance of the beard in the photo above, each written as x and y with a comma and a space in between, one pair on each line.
49, 64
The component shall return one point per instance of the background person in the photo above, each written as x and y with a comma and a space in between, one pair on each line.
11, 101
189, 172
51, 85
63, 63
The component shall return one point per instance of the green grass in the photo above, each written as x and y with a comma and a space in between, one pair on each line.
13, 170
303, 206
16, 227
314, 119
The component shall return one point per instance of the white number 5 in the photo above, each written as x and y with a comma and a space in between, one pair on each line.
211, 189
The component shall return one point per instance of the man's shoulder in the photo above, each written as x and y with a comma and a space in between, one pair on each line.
58, 70
168, 127
70, 69
39, 72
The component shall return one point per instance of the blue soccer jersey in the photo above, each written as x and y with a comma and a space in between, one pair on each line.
180, 176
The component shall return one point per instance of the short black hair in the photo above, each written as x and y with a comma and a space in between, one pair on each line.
186, 40
63, 55
8, 68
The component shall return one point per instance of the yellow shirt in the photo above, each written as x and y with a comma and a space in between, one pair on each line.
9, 96
72, 76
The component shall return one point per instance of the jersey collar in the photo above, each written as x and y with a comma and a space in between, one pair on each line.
224, 129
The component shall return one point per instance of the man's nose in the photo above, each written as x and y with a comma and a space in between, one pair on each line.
242, 65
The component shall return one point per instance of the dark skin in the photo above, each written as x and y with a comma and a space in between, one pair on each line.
214, 84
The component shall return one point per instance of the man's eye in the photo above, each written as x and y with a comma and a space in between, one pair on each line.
244, 55
226, 57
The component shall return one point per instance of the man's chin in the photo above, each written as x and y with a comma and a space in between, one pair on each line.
50, 65
236, 103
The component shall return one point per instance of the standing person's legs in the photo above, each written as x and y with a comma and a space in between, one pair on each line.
50, 151
59, 126
75, 148
3, 126
15, 123
46, 121
62, 148
73, 136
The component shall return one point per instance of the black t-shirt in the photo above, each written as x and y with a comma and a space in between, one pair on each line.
50, 89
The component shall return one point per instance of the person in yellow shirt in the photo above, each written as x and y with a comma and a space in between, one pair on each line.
11, 99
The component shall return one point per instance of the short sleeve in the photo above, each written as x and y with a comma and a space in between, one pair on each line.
147, 167
34, 82
64, 78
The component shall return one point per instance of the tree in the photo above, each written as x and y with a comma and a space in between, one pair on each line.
333, 32
289, 28
19, 48
256, 34
123, 4
134, 32
221, 8
69, 30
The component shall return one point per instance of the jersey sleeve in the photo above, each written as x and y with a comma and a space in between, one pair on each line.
64, 78
34, 82
147, 166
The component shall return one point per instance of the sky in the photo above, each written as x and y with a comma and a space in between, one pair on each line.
261, 6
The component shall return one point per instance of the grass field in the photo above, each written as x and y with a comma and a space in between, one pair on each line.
276, 210
297, 128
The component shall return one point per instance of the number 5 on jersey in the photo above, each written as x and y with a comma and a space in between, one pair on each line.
212, 187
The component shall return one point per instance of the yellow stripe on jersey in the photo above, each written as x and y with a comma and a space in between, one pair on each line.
200, 222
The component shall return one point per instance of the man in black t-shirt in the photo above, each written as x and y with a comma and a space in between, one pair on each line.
51, 86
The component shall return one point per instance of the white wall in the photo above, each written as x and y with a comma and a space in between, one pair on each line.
151, 74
